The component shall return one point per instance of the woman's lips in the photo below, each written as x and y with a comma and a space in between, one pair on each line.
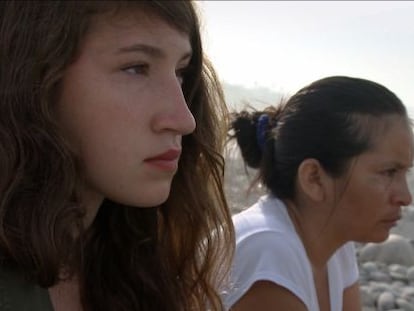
167, 161
392, 221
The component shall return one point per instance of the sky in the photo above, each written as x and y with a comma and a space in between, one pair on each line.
285, 45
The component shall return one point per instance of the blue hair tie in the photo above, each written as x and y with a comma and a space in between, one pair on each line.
261, 130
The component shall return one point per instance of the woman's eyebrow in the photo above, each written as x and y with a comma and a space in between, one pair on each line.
142, 48
150, 50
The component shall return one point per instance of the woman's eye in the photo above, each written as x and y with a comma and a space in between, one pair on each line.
139, 69
181, 73
390, 172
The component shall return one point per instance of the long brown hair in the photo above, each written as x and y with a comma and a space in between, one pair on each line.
170, 257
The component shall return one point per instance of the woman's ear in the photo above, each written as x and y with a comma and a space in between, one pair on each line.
312, 179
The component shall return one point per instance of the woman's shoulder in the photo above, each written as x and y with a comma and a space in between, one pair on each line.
16, 293
268, 214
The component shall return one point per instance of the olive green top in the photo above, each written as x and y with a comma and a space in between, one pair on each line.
16, 294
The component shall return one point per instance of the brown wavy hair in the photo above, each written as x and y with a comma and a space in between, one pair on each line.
170, 257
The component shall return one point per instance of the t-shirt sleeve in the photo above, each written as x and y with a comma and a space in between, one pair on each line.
269, 256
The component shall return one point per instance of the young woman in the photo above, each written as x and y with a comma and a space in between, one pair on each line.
334, 159
110, 130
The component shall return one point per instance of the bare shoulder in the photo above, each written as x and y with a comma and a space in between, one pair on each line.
265, 295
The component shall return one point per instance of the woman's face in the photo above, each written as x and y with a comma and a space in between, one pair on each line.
371, 195
123, 111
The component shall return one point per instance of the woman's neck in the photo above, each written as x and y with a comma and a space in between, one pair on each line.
65, 296
315, 231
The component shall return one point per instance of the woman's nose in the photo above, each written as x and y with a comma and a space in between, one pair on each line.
174, 114
404, 196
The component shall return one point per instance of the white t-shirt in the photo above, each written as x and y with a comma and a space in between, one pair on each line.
268, 248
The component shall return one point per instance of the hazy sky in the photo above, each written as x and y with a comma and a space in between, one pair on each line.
285, 45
